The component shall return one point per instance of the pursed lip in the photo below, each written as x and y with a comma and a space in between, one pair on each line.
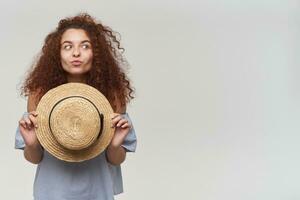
76, 62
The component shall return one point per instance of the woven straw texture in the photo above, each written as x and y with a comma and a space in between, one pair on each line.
69, 122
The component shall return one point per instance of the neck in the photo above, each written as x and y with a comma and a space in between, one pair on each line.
76, 79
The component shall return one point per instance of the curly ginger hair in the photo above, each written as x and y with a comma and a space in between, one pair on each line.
106, 73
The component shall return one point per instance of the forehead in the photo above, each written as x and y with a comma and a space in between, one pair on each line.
74, 35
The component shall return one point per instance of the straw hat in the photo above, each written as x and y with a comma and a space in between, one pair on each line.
74, 122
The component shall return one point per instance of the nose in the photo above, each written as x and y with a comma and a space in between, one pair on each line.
76, 52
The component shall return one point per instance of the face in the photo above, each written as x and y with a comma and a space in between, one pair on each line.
76, 52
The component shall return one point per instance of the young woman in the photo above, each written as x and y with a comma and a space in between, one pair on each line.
79, 50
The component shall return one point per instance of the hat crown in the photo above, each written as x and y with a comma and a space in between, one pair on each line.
76, 112
75, 123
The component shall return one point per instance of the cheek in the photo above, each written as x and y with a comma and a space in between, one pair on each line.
90, 57
63, 57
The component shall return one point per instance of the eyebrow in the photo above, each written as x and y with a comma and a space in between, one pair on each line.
67, 41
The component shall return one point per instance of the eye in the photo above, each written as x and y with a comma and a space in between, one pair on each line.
85, 46
67, 47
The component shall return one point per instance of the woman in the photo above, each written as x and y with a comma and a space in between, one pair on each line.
79, 50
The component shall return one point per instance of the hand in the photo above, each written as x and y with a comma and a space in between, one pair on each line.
122, 129
27, 126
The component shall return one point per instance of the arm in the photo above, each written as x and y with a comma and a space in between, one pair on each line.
33, 154
33, 151
115, 153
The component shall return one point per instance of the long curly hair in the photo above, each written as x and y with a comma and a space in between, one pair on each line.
107, 73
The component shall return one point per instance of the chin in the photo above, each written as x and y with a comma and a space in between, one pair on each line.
77, 71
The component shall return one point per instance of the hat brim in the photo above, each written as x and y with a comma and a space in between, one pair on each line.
47, 139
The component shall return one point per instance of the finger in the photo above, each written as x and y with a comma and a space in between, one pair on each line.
28, 122
114, 115
126, 125
121, 122
22, 123
34, 113
33, 120
116, 119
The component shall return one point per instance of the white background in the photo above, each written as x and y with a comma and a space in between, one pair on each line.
217, 102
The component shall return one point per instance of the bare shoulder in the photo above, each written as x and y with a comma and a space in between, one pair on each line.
119, 107
123, 109
32, 101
